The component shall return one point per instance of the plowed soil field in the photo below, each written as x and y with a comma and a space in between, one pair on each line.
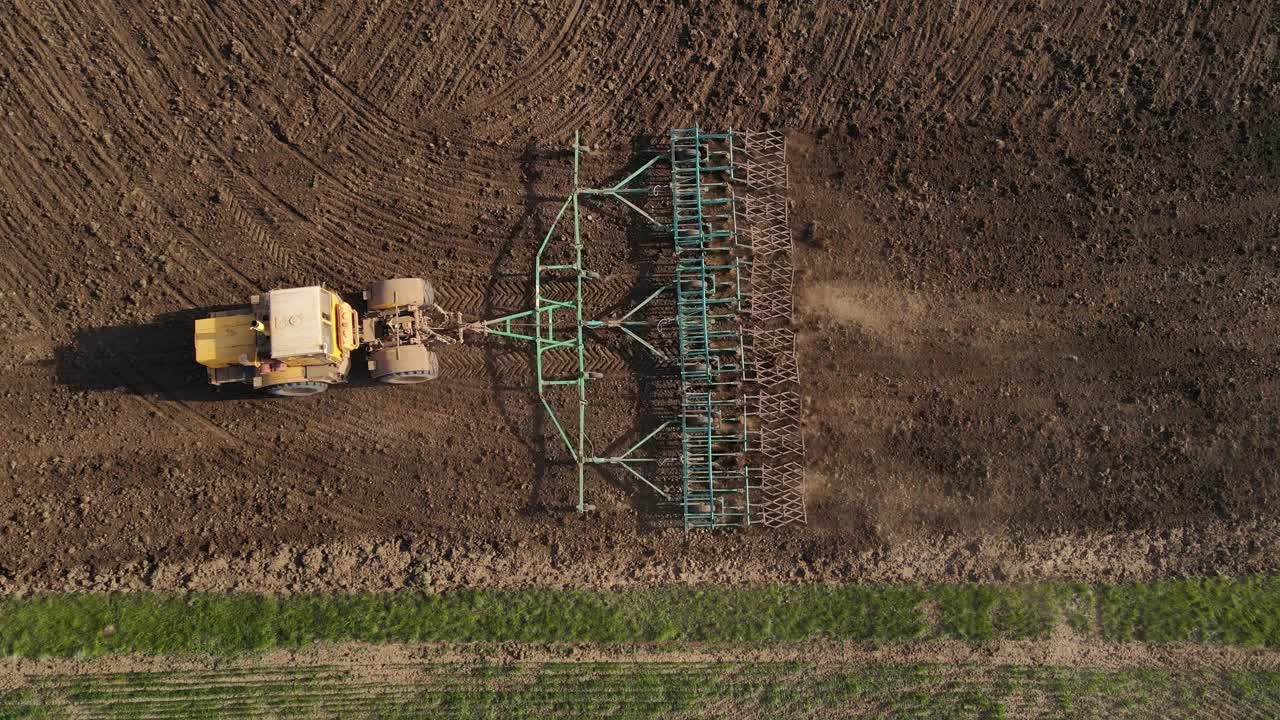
1038, 285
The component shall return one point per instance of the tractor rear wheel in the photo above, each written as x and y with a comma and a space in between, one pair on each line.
404, 365
408, 377
400, 292
296, 389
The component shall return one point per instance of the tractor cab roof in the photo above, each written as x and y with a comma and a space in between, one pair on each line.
297, 318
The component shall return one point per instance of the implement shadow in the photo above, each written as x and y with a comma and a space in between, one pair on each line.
516, 398
657, 382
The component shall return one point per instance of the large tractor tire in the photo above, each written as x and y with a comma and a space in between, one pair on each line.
404, 365
400, 292
296, 389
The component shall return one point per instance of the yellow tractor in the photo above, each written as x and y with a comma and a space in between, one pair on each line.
298, 341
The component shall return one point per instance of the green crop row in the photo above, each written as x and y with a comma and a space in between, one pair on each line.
656, 690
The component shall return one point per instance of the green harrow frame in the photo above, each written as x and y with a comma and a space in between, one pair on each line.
739, 428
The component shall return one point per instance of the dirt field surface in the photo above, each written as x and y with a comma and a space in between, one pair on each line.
1038, 285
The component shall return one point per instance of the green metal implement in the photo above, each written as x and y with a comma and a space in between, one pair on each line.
717, 480
562, 323
741, 448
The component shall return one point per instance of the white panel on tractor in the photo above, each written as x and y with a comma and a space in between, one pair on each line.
296, 327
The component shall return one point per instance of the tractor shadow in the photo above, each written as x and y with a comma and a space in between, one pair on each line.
154, 358
151, 358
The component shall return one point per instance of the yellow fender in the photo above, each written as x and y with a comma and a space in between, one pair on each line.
289, 374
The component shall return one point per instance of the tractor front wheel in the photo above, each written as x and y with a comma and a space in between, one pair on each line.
296, 389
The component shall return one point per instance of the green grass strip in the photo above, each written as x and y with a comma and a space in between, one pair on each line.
1242, 611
